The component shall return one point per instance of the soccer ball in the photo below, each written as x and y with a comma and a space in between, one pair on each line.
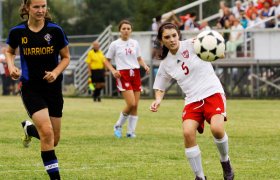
209, 45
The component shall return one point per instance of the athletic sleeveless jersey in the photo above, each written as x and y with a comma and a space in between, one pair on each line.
39, 51
125, 54
196, 77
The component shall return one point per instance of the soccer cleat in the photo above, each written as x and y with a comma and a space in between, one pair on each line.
26, 139
227, 170
199, 178
118, 131
131, 135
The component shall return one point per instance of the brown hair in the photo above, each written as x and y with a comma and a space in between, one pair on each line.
24, 13
124, 22
166, 25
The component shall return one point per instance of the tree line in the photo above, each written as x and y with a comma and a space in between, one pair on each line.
81, 17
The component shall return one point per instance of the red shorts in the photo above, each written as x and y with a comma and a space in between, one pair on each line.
205, 109
130, 80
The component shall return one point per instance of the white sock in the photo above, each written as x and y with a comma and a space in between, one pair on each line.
132, 122
122, 119
194, 156
222, 145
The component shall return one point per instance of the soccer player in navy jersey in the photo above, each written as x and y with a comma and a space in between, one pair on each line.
44, 54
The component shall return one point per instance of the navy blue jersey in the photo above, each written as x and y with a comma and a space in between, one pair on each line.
39, 51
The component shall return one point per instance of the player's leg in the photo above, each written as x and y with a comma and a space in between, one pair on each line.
44, 126
32, 103
56, 125
97, 92
221, 141
128, 96
216, 110
133, 117
29, 131
192, 150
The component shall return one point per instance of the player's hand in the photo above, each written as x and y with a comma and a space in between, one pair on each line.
147, 69
14, 72
154, 106
116, 74
50, 76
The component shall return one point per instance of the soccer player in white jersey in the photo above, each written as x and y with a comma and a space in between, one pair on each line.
126, 53
205, 99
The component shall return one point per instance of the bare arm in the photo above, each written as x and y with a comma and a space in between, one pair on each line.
109, 66
143, 64
158, 98
10, 58
89, 70
51, 76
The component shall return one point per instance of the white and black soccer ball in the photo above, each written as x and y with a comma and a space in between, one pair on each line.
209, 45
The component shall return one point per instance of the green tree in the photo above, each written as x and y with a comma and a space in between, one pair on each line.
79, 17
10, 15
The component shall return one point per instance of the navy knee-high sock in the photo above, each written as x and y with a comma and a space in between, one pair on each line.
51, 164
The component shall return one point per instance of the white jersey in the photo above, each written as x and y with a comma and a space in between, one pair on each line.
125, 54
196, 77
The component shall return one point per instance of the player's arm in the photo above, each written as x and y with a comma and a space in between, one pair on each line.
51, 76
143, 64
109, 66
159, 94
87, 61
10, 58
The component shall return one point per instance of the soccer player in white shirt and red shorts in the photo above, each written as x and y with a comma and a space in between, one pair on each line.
127, 55
204, 101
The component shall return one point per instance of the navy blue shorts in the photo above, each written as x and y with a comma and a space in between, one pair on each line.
38, 97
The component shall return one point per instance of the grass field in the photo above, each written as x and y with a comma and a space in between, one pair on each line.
88, 150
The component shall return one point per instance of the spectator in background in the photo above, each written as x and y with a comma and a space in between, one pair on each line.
156, 23
175, 20
237, 9
222, 8
255, 21
267, 12
277, 11
204, 26
251, 8
155, 43
235, 38
260, 3
226, 35
96, 70
5, 90
243, 20
221, 21
190, 23
183, 19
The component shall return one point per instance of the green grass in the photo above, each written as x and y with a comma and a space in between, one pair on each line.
88, 150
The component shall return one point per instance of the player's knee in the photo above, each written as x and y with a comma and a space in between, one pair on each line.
217, 131
132, 107
189, 134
